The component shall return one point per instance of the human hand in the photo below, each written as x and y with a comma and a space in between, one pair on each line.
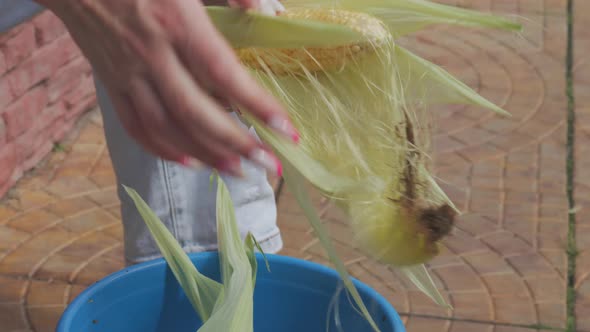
161, 63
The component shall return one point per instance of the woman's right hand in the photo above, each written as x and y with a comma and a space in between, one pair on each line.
161, 62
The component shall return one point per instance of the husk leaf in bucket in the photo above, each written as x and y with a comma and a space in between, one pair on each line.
226, 306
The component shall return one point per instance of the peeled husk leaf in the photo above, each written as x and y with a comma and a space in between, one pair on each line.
225, 306
252, 29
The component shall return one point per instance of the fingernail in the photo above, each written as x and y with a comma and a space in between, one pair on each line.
267, 160
279, 6
187, 161
232, 167
284, 126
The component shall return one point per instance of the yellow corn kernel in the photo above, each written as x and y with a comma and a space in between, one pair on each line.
280, 61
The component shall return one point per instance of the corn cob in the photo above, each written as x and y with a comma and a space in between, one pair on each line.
282, 61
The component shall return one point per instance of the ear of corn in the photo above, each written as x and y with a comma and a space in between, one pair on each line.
281, 60
407, 16
253, 29
360, 110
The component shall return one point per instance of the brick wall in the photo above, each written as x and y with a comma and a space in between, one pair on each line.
45, 85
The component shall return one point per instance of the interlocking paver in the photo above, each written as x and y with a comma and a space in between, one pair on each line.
11, 317
12, 289
44, 293
504, 264
44, 318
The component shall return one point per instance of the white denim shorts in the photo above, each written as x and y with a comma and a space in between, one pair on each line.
181, 197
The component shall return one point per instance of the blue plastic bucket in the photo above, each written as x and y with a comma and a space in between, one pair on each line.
294, 296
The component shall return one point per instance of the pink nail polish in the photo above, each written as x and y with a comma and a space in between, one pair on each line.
280, 170
284, 126
184, 161
187, 161
267, 160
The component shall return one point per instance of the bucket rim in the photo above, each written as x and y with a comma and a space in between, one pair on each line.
67, 316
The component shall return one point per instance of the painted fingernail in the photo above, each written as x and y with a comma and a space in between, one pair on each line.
187, 161
284, 126
267, 160
279, 8
232, 167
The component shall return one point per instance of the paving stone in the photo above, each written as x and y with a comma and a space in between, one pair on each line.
12, 290
416, 324
45, 319
75, 290
34, 221
505, 285
69, 207
11, 237
88, 221
6, 212
60, 267
507, 243
43, 293
472, 306
11, 317
105, 197
459, 278
29, 199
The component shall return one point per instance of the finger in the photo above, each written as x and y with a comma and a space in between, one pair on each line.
153, 117
171, 140
271, 7
213, 63
132, 124
200, 117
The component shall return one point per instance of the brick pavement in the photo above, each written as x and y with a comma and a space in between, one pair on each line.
504, 269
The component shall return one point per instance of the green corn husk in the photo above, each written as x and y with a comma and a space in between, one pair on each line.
257, 30
201, 291
365, 136
365, 132
406, 16
225, 306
